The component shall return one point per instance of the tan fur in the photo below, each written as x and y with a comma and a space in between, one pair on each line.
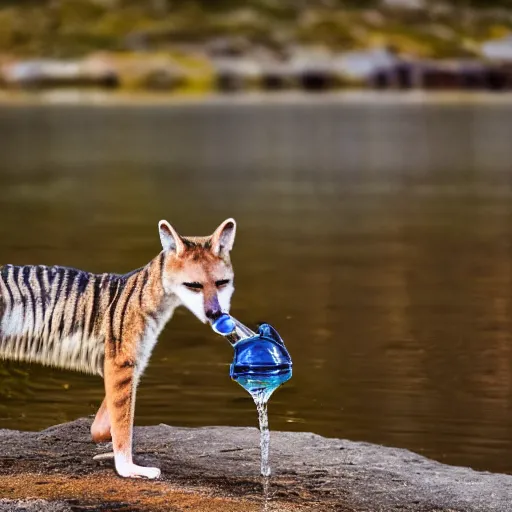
108, 324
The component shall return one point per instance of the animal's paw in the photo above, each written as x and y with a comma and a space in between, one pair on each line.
134, 471
104, 456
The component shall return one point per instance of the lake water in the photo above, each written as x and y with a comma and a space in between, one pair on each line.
375, 236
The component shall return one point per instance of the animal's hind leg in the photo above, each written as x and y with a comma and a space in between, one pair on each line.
100, 428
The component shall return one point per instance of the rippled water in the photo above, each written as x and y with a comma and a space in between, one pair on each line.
376, 237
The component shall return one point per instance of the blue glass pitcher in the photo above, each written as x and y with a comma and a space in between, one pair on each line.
261, 362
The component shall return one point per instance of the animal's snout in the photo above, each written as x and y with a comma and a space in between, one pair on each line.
212, 308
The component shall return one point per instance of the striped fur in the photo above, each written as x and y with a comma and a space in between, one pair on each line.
61, 317
108, 324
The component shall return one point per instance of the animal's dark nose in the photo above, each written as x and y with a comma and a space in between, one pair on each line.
213, 314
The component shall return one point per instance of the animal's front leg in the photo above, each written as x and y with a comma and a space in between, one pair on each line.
120, 388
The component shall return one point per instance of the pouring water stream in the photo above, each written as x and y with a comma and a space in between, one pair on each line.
261, 364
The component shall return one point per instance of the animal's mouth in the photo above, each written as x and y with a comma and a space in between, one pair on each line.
213, 317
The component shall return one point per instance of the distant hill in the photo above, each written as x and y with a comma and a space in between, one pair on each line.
68, 28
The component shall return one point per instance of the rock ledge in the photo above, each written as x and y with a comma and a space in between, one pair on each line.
216, 469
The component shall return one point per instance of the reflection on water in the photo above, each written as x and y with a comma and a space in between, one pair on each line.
375, 238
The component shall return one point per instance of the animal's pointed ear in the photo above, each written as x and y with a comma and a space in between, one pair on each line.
224, 237
170, 239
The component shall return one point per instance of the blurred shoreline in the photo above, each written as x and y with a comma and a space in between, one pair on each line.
198, 47
98, 98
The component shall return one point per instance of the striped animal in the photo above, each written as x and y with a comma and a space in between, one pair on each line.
108, 324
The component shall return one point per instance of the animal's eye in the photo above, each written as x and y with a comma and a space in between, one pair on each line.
195, 287
221, 283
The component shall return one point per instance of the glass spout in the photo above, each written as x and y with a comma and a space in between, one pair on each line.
231, 329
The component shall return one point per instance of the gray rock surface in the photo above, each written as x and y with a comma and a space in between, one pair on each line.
216, 468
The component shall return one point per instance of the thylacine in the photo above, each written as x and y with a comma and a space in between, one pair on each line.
108, 324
